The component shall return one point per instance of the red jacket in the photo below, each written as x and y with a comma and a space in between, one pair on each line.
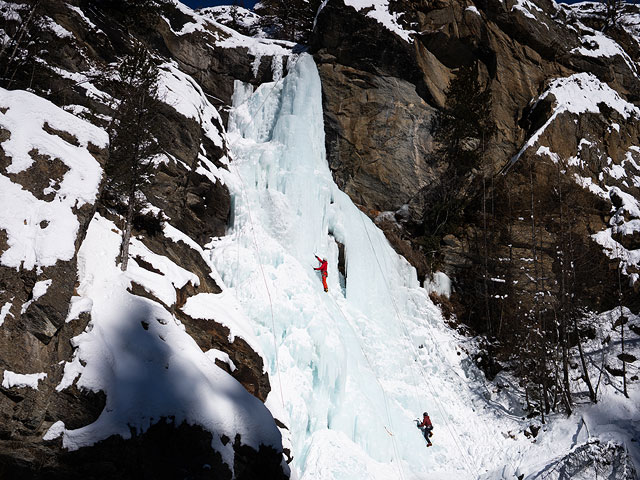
426, 422
322, 267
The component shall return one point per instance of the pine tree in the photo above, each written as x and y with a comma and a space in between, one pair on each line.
134, 136
288, 19
465, 125
613, 11
461, 130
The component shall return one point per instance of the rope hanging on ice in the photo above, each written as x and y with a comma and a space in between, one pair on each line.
266, 286
255, 242
473, 469
384, 393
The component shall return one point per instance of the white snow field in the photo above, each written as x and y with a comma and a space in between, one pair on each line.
141, 357
350, 369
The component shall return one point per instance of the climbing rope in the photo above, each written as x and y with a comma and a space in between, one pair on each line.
451, 368
257, 249
396, 451
266, 285
255, 241
472, 468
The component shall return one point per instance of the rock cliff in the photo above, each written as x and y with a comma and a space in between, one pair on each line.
496, 141
82, 40
388, 94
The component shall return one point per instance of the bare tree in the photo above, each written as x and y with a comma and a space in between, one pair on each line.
20, 29
613, 11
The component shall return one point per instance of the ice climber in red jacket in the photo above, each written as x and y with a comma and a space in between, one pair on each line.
323, 270
426, 427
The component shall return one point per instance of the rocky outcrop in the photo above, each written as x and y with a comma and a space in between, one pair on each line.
383, 170
384, 96
188, 454
35, 336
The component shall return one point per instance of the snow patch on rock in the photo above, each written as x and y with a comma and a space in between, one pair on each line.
5, 311
379, 11
41, 232
39, 289
578, 94
22, 380
139, 354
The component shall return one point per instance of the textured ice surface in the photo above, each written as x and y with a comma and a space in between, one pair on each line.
352, 368
355, 366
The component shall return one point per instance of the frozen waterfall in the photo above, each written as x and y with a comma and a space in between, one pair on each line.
356, 366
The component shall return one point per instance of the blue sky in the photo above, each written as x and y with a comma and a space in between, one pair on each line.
211, 3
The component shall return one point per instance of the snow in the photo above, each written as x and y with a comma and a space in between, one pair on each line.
78, 306
352, 368
9, 11
139, 354
225, 37
440, 284
5, 311
20, 380
526, 7
547, 151
176, 235
82, 15
214, 355
162, 285
39, 289
379, 11
472, 9
56, 28
577, 94
55, 431
604, 47
224, 309
225, 14
82, 80
185, 95
32, 241
625, 221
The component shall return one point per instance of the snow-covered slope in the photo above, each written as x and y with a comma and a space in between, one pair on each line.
141, 357
41, 226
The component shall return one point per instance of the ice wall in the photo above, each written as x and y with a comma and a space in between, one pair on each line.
350, 369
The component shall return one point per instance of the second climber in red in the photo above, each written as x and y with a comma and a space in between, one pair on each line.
426, 427
323, 270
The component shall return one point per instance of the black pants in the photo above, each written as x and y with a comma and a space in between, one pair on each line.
426, 431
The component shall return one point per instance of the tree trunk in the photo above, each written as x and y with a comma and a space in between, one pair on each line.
624, 363
486, 255
585, 372
126, 235
565, 374
542, 407
621, 319
24, 28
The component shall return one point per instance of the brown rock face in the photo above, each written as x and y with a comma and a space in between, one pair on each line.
150, 455
34, 336
39, 340
379, 169
383, 99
